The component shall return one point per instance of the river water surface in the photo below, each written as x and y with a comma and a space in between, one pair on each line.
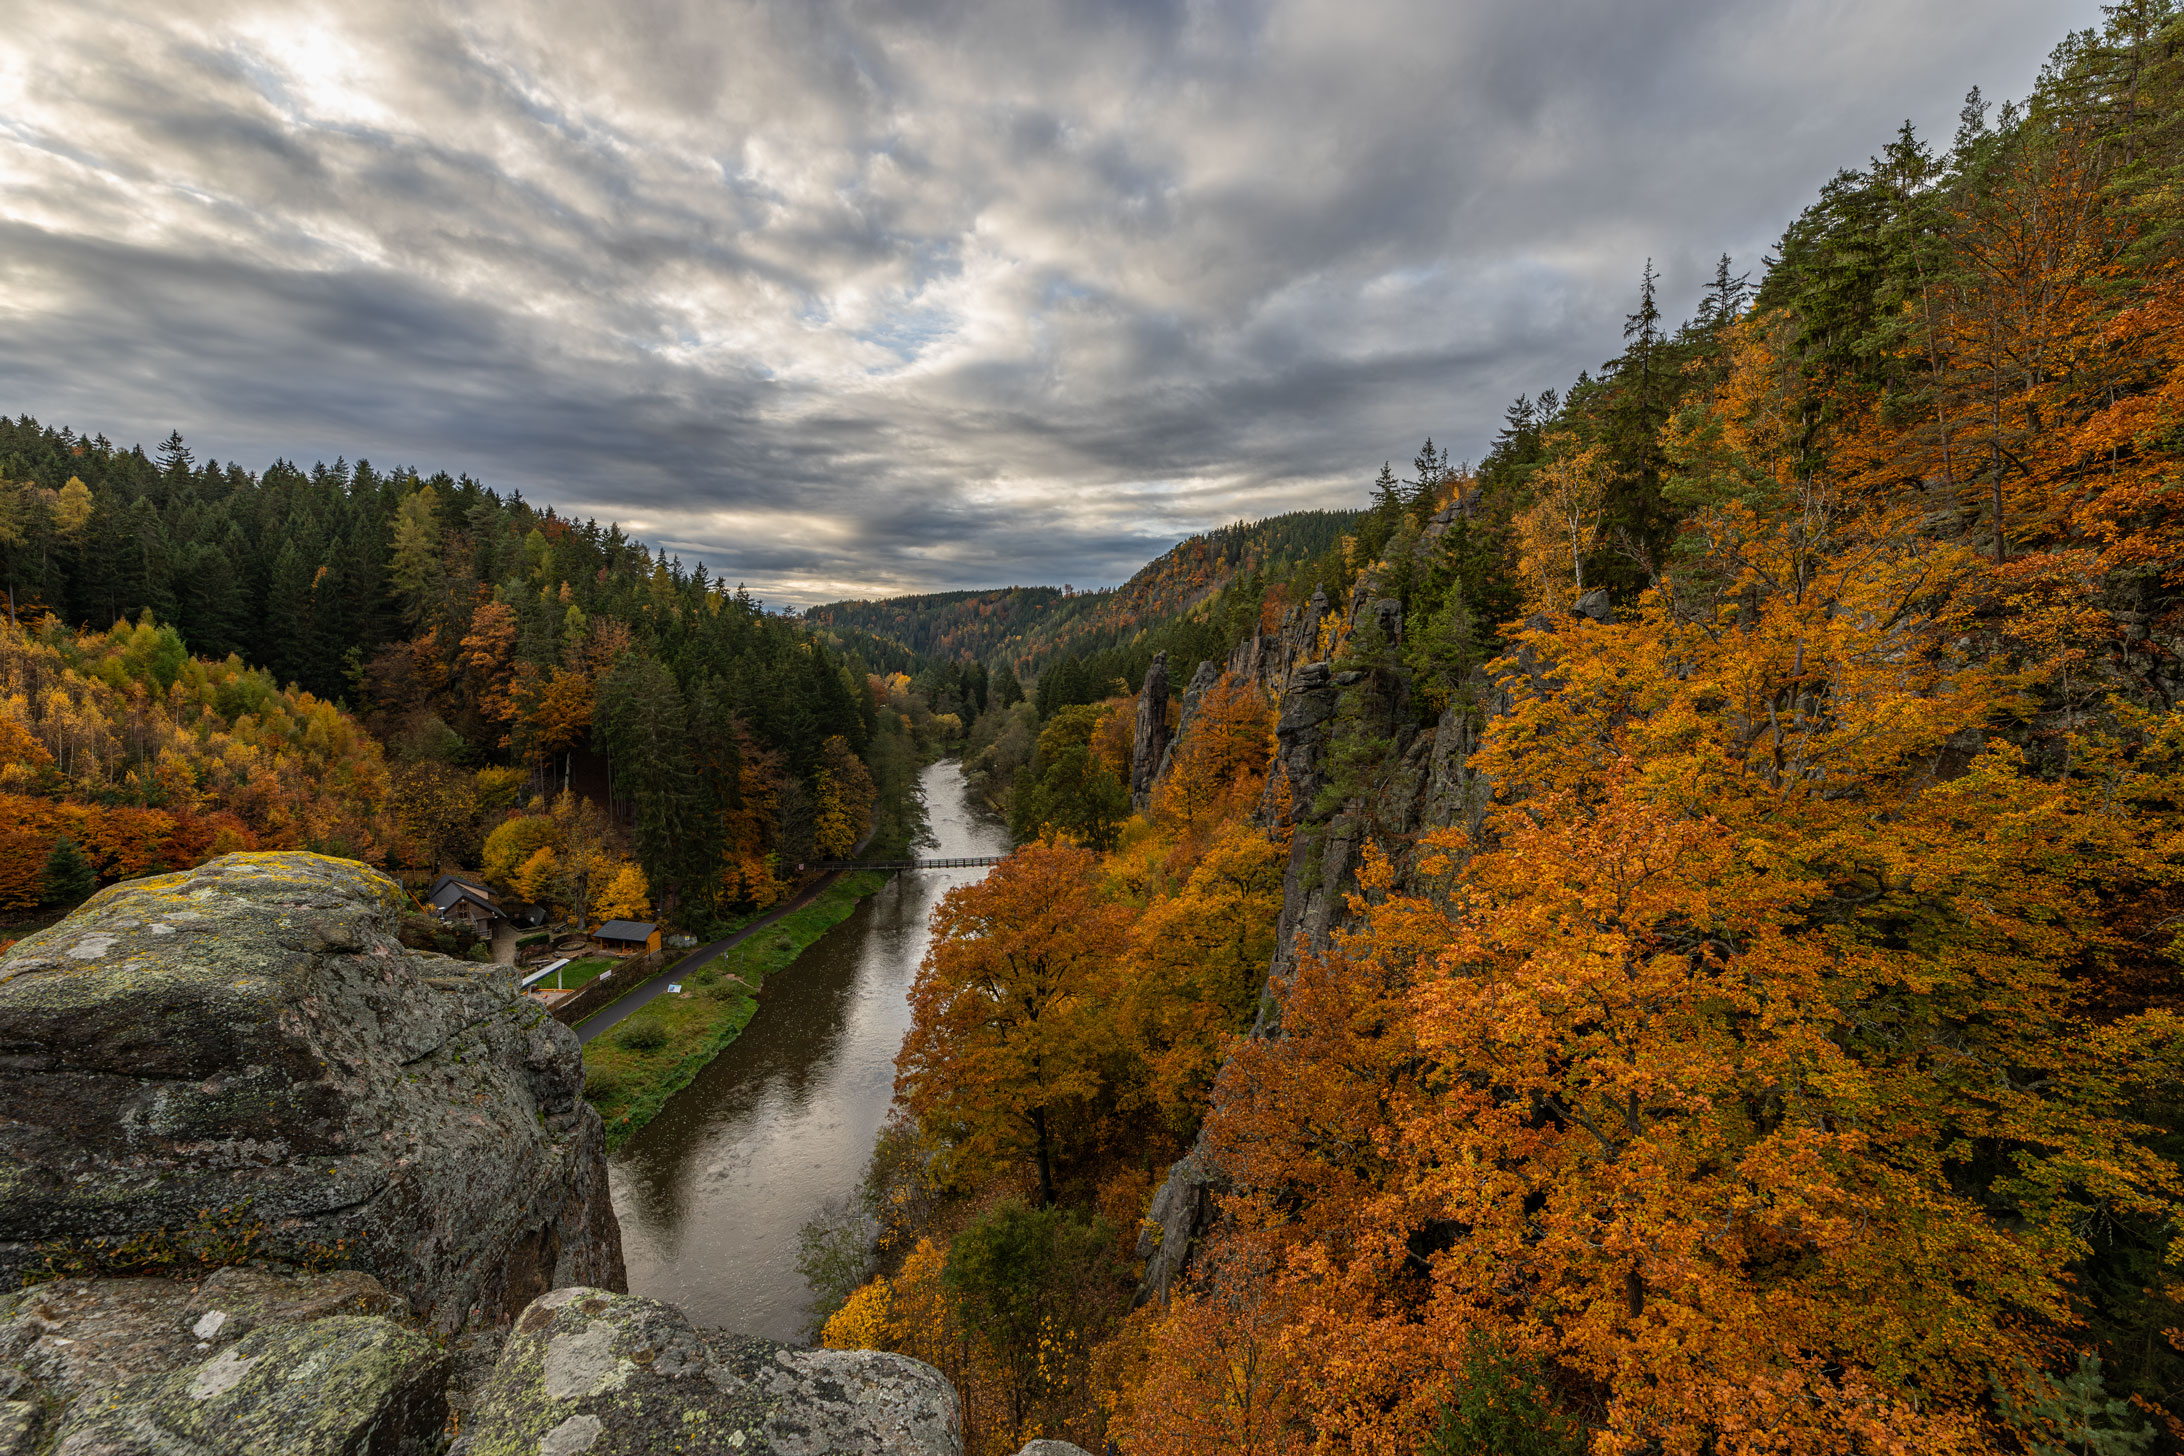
711, 1194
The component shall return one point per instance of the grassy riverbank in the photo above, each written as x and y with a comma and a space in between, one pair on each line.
631, 1071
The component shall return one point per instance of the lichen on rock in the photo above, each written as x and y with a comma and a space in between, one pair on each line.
250, 1042
588, 1371
346, 1385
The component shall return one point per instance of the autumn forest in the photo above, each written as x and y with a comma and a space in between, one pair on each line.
1672, 946
1662, 939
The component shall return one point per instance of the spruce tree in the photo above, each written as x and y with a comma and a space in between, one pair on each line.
1380, 518
69, 878
1432, 468
1725, 296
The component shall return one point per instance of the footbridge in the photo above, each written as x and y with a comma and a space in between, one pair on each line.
974, 862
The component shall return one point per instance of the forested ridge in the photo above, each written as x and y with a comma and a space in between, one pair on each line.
1733, 839
389, 665
1026, 628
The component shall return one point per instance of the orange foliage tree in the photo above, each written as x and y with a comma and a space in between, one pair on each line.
1220, 761
150, 759
1007, 1026
1754, 1089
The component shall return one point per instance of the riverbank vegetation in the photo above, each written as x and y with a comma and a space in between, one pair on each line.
1067, 1027
1780, 1055
632, 1069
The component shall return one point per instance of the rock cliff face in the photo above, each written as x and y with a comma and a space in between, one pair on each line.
1149, 745
251, 1041
1424, 780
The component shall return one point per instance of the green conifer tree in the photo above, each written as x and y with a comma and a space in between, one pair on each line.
69, 878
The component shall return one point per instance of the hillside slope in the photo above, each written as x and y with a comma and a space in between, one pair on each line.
1029, 626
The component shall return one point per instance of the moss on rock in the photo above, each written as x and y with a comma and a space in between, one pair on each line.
346, 1385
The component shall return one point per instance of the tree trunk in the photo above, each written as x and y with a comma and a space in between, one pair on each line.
1046, 1162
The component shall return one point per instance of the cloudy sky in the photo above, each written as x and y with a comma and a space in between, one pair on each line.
853, 298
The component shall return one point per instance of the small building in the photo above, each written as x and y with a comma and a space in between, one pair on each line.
625, 936
526, 914
456, 897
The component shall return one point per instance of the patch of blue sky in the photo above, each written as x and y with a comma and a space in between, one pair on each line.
907, 333
1061, 289
746, 186
1419, 276
929, 260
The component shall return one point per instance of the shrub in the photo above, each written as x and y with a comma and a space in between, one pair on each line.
641, 1035
1499, 1406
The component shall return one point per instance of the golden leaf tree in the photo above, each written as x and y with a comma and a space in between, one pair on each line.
1007, 1022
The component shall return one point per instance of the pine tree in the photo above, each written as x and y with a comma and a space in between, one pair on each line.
1387, 508
1725, 296
69, 878
643, 724
287, 637
1637, 525
1432, 468
1643, 328
175, 458
1007, 690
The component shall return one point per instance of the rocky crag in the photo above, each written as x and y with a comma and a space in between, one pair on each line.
248, 1052
1422, 780
273, 1182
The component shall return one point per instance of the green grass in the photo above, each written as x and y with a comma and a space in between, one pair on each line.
580, 972
631, 1070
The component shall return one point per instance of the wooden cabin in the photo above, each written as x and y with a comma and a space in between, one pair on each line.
626, 937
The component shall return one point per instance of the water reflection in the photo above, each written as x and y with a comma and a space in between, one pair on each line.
712, 1193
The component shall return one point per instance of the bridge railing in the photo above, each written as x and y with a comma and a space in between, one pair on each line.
965, 863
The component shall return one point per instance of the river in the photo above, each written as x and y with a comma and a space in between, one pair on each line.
712, 1193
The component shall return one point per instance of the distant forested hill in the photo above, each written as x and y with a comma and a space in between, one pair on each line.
974, 625
1026, 627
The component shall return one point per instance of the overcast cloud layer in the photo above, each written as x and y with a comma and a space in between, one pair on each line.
858, 298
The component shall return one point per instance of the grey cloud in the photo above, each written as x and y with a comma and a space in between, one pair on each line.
851, 299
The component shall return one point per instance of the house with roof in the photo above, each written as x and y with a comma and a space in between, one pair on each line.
627, 936
473, 902
460, 898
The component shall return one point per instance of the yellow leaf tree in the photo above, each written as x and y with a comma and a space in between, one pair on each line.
624, 895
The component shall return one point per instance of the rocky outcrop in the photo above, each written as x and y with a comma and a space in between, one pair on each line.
1194, 693
248, 1361
243, 1071
587, 1371
344, 1386
1149, 746
1052, 1448
245, 1061
1168, 1233
1424, 780
255, 1362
